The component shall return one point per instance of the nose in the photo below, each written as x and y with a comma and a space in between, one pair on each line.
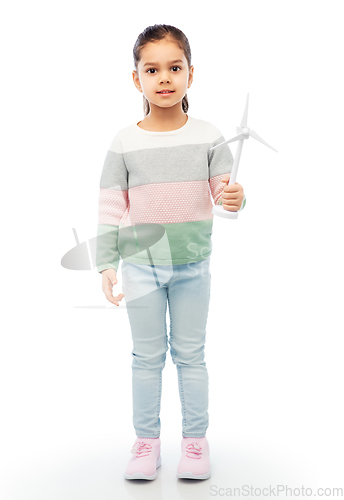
165, 76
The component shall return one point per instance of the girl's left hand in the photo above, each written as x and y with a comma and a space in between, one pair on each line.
232, 195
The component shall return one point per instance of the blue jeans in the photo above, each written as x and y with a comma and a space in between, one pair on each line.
186, 289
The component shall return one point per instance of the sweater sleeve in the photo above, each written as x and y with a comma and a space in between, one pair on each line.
220, 162
113, 203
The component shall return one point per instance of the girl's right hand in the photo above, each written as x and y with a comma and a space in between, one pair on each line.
109, 278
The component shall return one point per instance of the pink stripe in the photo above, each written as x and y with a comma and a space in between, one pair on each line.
112, 205
217, 186
170, 202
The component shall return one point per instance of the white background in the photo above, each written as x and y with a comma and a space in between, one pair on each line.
274, 347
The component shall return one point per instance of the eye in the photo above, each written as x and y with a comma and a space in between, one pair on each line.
150, 70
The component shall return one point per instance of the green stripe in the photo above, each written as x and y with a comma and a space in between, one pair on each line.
107, 256
182, 243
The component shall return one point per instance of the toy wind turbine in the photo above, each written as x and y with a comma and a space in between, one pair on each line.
244, 133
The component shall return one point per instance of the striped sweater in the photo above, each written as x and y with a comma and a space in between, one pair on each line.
155, 202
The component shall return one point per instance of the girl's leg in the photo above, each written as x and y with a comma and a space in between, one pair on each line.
188, 298
147, 317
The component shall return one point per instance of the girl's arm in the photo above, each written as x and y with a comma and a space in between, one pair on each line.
220, 162
113, 203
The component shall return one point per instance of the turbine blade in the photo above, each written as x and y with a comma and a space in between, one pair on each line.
237, 138
256, 136
244, 117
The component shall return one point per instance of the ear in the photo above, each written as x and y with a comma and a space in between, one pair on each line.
136, 81
191, 70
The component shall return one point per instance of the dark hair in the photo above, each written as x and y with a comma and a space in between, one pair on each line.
159, 32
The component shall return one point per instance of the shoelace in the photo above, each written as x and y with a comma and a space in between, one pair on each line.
141, 449
193, 450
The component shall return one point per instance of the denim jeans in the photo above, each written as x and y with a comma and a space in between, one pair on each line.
186, 289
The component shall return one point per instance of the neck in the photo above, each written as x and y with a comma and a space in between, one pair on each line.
169, 118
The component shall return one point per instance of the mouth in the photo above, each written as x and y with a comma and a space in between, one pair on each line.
165, 92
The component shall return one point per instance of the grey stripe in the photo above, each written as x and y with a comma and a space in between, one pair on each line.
190, 162
220, 159
177, 164
114, 174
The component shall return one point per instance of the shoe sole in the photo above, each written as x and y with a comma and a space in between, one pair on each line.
141, 475
190, 475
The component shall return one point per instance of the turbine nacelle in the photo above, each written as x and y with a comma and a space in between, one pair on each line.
244, 132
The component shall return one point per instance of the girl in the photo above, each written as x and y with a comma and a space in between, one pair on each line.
155, 211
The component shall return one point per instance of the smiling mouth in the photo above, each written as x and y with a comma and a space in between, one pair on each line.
169, 92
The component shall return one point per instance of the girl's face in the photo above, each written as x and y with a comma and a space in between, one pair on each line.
163, 65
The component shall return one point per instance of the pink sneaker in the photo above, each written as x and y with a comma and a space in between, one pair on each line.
194, 462
145, 460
